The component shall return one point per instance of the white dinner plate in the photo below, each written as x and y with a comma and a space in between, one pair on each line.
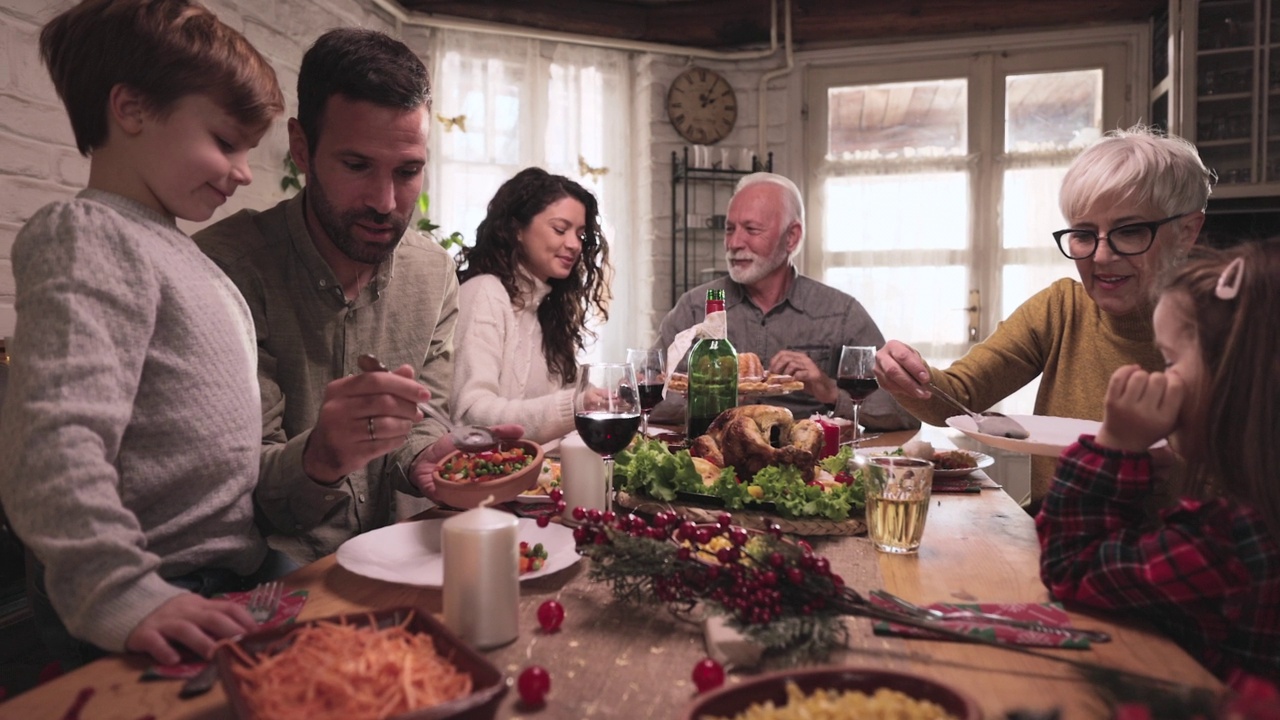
409, 552
1049, 435
983, 460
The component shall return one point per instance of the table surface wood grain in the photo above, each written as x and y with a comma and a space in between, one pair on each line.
613, 661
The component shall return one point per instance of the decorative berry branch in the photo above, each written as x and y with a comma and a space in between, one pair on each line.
776, 591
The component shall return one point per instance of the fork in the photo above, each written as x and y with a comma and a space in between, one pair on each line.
989, 422
264, 600
986, 618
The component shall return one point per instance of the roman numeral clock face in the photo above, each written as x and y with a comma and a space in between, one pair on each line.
701, 106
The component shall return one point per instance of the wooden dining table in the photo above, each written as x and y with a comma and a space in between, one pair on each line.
635, 662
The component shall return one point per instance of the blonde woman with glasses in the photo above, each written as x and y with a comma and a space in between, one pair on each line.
1135, 203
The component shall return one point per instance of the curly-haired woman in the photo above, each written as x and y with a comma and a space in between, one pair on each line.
537, 271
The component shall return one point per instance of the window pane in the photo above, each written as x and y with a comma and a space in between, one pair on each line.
486, 95
891, 120
1029, 211
1052, 111
1020, 282
478, 182
934, 315
887, 212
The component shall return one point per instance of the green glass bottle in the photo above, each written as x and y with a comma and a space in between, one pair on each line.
713, 376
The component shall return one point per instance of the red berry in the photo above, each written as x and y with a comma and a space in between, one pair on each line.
543, 520
534, 684
556, 495
579, 514
707, 675
550, 615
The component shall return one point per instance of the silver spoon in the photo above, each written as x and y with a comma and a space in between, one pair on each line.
467, 438
989, 422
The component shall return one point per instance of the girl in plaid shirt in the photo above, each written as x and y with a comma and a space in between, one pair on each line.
1207, 573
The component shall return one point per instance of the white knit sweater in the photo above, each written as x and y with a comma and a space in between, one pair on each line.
500, 374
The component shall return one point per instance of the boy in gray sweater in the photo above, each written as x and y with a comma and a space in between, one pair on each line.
129, 435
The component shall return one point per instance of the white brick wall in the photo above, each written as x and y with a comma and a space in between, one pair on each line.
38, 160
39, 163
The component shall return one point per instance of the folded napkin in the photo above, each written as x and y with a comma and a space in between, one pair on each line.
1046, 613
715, 325
287, 612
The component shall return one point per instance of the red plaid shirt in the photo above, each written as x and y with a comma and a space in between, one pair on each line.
1207, 575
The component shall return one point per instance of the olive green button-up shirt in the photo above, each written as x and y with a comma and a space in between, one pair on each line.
308, 335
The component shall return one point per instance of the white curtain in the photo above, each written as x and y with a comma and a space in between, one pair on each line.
504, 104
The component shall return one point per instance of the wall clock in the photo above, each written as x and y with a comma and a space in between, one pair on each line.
701, 106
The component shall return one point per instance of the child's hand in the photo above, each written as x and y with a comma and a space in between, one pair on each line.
190, 621
1141, 408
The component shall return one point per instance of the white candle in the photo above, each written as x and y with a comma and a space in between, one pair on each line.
481, 550
582, 477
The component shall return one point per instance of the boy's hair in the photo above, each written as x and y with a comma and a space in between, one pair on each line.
1234, 449
1138, 165
498, 251
358, 64
163, 49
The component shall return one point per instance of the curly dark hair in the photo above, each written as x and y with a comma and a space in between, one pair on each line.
497, 251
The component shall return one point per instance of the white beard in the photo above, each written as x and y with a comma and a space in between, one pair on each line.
759, 268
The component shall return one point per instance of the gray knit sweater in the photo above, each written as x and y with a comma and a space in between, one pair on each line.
130, 430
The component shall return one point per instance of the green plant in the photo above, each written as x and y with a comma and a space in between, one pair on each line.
428, 227
290, 179
291, 182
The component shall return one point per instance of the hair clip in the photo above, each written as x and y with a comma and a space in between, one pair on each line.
1230, 279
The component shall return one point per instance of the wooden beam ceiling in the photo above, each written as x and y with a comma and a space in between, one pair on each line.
728, 24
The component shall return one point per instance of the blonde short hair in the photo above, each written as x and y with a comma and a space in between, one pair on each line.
1138, 165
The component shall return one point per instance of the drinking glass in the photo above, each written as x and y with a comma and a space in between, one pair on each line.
606, 412
897, 501
857, 377
651, 371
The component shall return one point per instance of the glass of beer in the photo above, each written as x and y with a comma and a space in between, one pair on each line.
897, 501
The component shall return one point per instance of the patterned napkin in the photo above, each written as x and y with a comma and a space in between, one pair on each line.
1047, 613
290, 606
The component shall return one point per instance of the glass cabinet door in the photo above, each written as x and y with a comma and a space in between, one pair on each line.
1228, 49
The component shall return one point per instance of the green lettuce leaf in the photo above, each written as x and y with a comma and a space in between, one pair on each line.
649, 467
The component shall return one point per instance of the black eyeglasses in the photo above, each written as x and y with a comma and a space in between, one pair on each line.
1131, 239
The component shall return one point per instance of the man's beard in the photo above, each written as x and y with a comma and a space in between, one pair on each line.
760, 266
338, 226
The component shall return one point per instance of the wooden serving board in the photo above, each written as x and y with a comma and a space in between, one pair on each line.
753, 519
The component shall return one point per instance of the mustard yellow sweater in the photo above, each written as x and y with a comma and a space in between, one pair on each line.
1061, 334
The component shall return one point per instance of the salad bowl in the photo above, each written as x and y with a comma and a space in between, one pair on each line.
465, 480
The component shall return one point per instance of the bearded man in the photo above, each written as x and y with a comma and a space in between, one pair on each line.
794, 323
332, 274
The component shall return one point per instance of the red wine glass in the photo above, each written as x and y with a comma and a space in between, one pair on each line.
857, 377
606, 412
651, 372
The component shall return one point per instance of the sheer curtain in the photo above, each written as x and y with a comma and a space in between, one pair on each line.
503, 104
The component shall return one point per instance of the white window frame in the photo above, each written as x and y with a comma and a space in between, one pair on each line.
1123, 52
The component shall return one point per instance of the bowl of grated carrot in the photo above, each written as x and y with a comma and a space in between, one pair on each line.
397, 664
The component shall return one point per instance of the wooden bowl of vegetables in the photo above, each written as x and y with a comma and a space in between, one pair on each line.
464, 480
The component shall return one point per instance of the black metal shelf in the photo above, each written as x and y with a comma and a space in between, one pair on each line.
695, 257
